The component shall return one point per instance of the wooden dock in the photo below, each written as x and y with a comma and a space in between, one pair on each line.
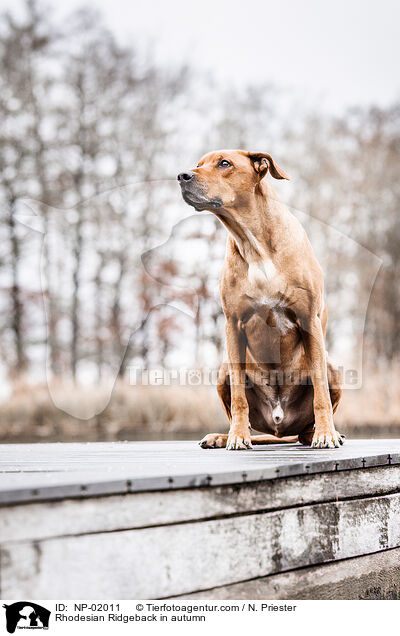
130, 520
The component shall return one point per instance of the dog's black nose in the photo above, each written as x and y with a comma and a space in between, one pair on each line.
185, 176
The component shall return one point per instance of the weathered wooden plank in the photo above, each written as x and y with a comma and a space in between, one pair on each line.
179, 559
372, 577
55, 471
37, 521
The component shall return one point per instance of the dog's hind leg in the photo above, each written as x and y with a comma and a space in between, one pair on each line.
305, 437
218, 440
272, 439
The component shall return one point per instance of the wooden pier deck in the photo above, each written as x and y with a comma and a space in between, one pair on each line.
168, 519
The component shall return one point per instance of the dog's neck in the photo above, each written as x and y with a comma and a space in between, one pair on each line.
254, 234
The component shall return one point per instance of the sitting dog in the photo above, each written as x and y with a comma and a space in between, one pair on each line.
277, 377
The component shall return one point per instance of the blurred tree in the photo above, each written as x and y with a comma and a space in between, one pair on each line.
25, 45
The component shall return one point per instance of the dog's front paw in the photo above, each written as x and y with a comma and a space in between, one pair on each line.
237, 441
213, 440
333, 439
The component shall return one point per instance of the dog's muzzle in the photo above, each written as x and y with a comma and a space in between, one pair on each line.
194, 195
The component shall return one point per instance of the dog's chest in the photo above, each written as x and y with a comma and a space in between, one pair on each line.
263, 289
260, 274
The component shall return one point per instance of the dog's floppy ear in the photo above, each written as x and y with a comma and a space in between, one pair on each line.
262, 162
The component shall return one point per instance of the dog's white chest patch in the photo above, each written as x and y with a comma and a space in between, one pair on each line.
261, 273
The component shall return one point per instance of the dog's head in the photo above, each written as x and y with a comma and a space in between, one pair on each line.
224, 179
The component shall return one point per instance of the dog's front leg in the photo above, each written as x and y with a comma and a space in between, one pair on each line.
239, 431
325, 435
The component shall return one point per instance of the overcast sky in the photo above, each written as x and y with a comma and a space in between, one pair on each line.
338, 52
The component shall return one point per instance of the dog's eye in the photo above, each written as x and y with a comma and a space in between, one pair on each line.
224, 163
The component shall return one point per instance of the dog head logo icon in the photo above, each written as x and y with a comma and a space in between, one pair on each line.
26, 615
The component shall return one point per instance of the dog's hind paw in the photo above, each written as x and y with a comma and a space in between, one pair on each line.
327, 440
214, 440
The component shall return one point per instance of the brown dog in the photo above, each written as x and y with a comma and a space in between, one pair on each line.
277, 377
